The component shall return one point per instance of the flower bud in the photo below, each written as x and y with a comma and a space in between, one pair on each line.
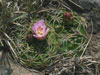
68, 18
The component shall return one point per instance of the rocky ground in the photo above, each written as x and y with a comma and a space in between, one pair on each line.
92, 15
91, 11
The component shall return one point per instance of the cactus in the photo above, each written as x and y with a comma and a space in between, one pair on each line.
39, 54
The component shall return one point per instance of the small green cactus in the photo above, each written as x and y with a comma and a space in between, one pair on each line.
62, 38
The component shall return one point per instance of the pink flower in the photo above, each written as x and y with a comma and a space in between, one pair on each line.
40, 30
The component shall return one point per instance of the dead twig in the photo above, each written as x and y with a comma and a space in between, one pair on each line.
88, 41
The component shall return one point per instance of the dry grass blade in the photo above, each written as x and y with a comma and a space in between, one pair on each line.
78, 6
0, 3
65, 5
13, 52
74, 6
88, 41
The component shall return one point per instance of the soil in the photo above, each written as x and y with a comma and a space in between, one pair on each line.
19, 70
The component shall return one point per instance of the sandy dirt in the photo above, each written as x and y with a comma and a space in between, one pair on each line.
19, 70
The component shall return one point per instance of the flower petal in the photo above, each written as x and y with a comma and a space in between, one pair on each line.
34, 28
42, 24
47, 30
39, 37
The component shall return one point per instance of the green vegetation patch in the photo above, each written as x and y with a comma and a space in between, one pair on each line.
65, 37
